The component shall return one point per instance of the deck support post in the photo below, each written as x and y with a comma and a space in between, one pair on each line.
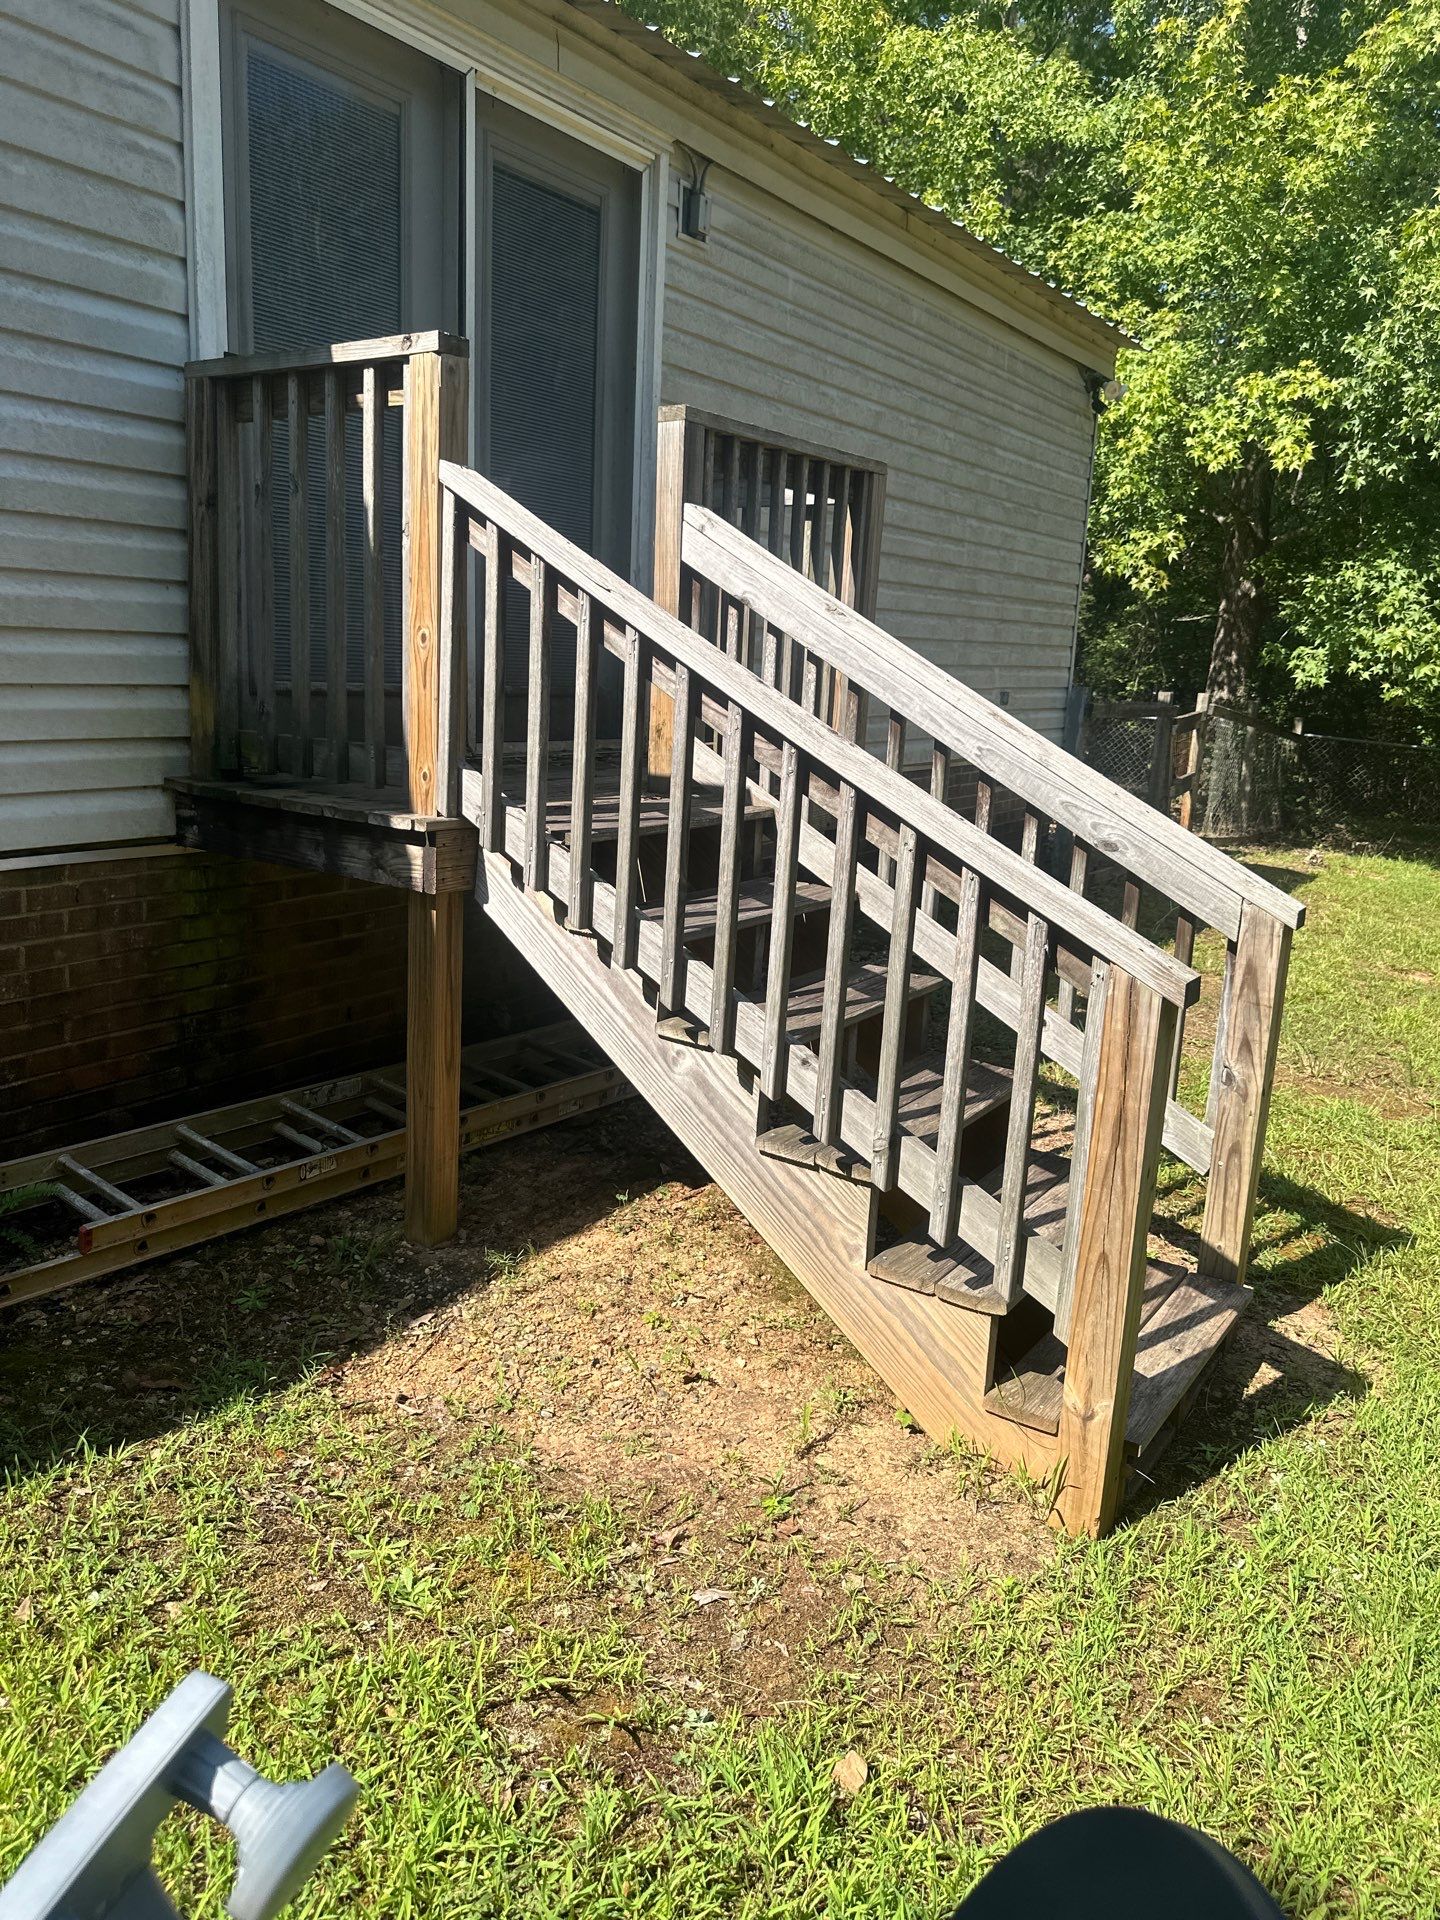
436, 410
1244, 1068
1131, 1085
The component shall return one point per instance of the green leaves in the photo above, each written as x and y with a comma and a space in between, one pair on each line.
1252, 187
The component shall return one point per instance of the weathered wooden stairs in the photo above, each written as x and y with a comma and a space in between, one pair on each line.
840, 986
912, 983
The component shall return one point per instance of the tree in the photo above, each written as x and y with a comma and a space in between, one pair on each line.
1250, 188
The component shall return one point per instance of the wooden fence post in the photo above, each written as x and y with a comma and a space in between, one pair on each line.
1127, 1112
436, 408
1244, 1067
1162, 754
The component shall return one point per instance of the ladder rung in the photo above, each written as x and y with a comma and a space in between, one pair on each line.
298, 1139
236, 1162
98, 1182
395, 1115
319, 1121
196, 1169
86, 1209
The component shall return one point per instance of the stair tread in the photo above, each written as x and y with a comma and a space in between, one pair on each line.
1184, 1320
793, 1142
959, 1275
865, 994
754, 904
654, 809
986, 1088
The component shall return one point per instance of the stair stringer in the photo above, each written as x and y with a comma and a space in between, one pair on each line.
935, 1358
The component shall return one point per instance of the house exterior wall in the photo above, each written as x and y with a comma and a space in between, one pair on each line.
142, 987
93, 333
783, 318
784, 324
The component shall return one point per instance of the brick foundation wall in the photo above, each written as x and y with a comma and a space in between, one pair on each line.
147, 986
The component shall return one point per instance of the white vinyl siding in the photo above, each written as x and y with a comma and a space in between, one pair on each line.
786, 325
93, 334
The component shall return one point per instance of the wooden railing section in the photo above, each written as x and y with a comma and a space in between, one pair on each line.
1023, 791
842, 815
313, 478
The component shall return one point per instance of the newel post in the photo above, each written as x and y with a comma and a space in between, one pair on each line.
1242, 1072
436, 417
1117, 1194
677, 479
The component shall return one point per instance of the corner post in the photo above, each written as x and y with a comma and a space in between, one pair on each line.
1115, 1202
201, 483
436, 411
1244, 1068
675, 475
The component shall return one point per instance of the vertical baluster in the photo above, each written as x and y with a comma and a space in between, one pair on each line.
750, 526
537, 730
1222, 1036
779, 481
895, 760
1010, 1247
633, 707
1079, 867
677, 845
1029, 847
730, 484
939, 781
774, 1065
800, 513
944, 1201
298, 423
337, 690
727, 886
372, 472
262, 556
884, 1157
492, 690
1185, 954
1080, 1151
582, 771
837, 969
818, 543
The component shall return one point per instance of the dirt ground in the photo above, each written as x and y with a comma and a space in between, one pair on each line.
607, 1307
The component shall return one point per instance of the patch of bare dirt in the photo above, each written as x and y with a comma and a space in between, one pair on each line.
652, 1346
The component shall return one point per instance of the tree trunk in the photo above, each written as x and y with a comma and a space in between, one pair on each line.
1241, 613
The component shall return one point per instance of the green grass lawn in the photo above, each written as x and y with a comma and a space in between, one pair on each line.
546, 1721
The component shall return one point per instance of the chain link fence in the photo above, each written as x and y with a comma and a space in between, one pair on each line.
1232, 776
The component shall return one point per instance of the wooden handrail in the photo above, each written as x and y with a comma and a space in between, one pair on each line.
1196, 876
1083, 921
314, 359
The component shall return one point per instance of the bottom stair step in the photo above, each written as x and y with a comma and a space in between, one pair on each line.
791, 1142
1184, 1321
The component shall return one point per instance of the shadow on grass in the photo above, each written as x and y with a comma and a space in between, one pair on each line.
114, 1362
1266, 1382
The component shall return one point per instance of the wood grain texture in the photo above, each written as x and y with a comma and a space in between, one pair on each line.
432, 1065
436, 401
1244, 1070
1115, 1205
